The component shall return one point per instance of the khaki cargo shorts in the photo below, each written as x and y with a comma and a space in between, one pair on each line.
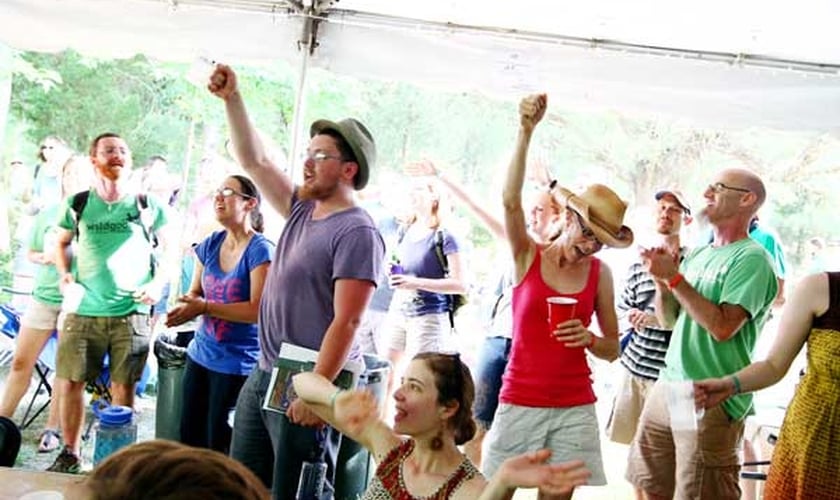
85, 340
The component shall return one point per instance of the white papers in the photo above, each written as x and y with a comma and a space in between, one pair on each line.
296, 359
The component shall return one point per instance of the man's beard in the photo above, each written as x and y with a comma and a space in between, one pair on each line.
315, 192
111, 173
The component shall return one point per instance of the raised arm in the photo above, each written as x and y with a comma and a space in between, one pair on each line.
531, 111
809, 300
275, 185
492, 223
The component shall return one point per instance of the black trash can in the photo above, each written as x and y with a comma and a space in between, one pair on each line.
355, 466
171, 353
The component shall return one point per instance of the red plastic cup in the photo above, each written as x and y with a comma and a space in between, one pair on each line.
560, 309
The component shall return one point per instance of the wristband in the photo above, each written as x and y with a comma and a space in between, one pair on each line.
675, 281
737, 383
332, 398
206, 307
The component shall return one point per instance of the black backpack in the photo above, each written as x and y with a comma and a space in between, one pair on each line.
9, 442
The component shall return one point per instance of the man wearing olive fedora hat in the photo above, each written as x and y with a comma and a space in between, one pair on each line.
318, 285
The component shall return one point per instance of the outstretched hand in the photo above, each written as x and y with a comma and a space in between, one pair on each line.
223, 82
710, 392
531, 110
355, 410
529, 470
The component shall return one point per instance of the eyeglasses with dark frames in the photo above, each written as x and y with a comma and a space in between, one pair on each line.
227, 192
719, 187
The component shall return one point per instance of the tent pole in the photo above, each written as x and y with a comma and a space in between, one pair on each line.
306, 46
297, 125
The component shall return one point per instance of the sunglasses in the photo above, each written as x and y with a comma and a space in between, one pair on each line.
587, 232
228, 192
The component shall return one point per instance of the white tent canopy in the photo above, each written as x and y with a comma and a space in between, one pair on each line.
716, 63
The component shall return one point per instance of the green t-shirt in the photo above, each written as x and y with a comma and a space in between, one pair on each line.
771, 244
112, 257
43, 237
739, 273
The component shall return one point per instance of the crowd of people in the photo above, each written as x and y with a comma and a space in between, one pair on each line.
341, 284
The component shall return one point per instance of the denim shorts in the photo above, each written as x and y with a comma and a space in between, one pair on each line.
492, 361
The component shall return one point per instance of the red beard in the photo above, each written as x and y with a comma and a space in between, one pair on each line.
110, 172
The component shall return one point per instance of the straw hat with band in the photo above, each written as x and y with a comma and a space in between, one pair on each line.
602, 211
360, 141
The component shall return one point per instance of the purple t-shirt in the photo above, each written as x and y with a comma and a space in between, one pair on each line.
297, 302
220, 345
418, 258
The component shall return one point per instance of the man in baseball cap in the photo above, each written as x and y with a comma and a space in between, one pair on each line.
328, 259
643, 341
677, 196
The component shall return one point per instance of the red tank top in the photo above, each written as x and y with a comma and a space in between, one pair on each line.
542, 372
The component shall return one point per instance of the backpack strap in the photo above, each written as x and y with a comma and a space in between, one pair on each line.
77, 205
146, 221
444, 263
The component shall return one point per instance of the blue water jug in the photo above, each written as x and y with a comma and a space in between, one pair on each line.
116, 429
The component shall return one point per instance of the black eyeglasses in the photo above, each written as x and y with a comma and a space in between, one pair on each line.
228, 192
719, 187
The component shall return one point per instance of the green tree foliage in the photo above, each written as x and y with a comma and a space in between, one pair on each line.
469, 135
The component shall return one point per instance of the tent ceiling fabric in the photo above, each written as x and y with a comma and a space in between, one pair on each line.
498, 48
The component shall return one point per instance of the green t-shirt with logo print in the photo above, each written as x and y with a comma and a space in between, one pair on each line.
112, 256
740, 274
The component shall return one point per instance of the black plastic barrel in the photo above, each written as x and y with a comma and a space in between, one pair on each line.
171, 354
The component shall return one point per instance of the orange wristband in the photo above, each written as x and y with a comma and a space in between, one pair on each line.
675, 281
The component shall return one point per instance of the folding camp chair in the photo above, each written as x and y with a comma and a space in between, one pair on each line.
44, 365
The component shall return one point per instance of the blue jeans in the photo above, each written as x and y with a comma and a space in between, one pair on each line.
492, 361
274, 448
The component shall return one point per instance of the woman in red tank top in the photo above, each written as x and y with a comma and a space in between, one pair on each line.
547, 398
434, 404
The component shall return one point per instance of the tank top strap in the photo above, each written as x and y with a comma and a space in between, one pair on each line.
465, 472
594, 274
831, 318
389, 469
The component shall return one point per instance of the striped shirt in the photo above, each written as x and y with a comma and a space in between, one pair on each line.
644, 355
